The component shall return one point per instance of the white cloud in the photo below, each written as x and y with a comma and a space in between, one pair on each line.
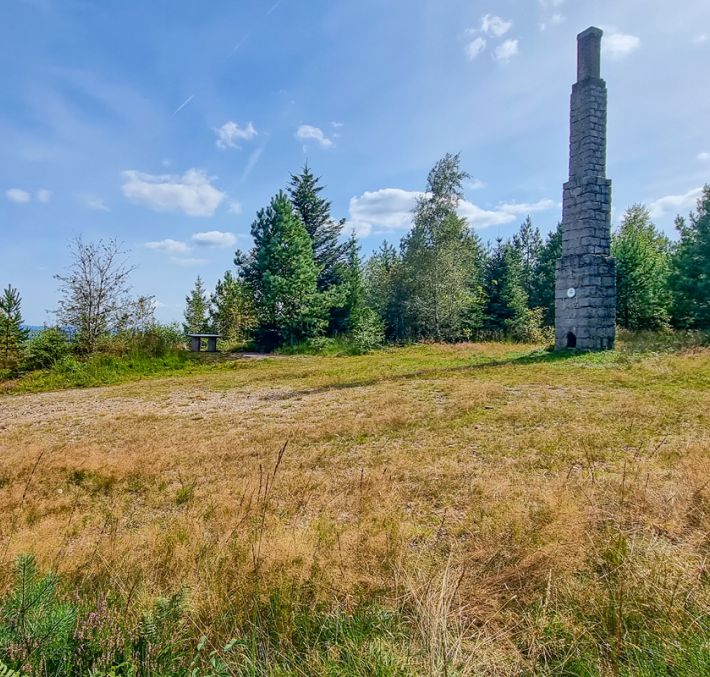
168, 246
43, 195
308, 132
476, 184
506, 51
337, 125
704, 156
18, 195
475, 47
390, 209
192, 193
93, 202
554, 20
230, 133
494, 25
214, 238
675, 203
235, 207
700, 39
618, 45
551, 4
187, 262
503, 213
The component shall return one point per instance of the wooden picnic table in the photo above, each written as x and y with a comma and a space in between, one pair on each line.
196, 342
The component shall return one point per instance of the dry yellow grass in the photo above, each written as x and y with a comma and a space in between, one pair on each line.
477, 483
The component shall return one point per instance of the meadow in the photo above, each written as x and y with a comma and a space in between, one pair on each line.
470, 509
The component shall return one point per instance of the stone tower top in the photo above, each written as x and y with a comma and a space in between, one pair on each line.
589, 44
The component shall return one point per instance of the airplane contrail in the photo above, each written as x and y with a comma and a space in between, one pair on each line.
182, 105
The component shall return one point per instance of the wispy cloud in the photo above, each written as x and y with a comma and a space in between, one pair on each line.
168, 246
182, 105
506, 51
494, 25
43, 195
230, 134
390, 209
475, 47
18, 196
675, 203
617, 45
192, 193
214, 238
704, 156
310, 133
187, 262
92, 202
253, 160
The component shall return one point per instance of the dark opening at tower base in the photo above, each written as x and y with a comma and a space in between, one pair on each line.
571, 340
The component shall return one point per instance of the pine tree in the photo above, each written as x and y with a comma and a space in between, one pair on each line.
642, 270
231, 308
12, 333
690, 276
315, 212
353, 284
507, 303
528, 242
384, 289
197, 309
441, 258
542, 290
282, 276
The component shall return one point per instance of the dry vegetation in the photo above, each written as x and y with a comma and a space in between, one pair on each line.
506, 511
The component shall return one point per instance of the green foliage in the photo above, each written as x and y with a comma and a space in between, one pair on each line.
93, 292
528, 243
12, 333
642, 268
542, 288
441, 260
282, 275
690, 276
325, 232
45, 349
36, 628
197, 309
507, 310
384, 289
231, 309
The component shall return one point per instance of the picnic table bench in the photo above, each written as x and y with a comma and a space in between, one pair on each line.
196, 342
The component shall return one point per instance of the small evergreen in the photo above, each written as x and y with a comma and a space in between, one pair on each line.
506, 301
542, 289
690, 276
197, 308
642, 269
12, 332
231, 309
528, 242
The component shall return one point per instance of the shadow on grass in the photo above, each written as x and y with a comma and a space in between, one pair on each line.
536, 357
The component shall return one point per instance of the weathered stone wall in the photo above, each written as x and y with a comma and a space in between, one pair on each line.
585, 290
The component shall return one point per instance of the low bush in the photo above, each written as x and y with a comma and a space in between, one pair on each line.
45, 348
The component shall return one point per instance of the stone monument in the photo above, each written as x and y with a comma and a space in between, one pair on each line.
585, 288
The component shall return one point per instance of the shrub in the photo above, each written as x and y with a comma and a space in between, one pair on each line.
46, 348
368, 331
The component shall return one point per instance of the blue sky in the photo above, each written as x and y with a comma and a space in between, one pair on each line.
168, 123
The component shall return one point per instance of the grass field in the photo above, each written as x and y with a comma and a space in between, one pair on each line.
482, 509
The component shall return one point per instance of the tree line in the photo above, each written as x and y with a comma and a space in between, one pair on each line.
303, 280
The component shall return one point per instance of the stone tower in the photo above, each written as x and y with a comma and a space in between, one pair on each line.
585, 289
